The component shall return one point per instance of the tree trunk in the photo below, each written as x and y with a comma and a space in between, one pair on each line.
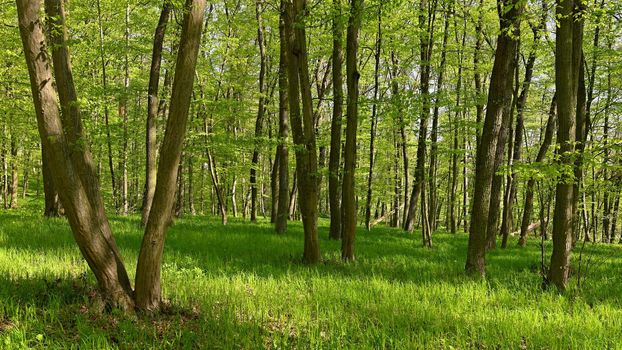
529, 191
511, 187
567, 43
499, 97
148, 291
14, 183
260, 109
432, 172
152, 111
52, 204
453, 195
70, 162
374, 120
302, 123
283, 153
334, 161
352, 77
426, 27
104, 78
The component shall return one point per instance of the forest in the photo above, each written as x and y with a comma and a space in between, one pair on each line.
311, 174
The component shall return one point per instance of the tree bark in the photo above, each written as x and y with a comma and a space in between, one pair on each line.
374, 120
567, 67
260, 108
334, 161
148, 290
352, 77
283, 153
499, 96
70, 162
51, 201
152, 111
426, 27
302, 123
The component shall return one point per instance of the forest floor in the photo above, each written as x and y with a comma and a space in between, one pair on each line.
241, 286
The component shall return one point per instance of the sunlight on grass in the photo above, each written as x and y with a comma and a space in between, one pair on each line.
242, 286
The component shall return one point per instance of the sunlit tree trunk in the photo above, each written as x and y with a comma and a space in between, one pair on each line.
499, 97
567, 67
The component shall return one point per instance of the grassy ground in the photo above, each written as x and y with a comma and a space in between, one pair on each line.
241, 286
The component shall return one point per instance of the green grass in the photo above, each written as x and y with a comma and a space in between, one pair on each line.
242, 286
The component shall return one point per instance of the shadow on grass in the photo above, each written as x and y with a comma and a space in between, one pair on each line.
244, 248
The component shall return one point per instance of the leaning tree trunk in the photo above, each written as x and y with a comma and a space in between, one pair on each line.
352, 77
70, 162
148, 290
499, 96
152, 111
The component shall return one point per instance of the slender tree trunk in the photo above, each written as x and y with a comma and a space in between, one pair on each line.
283, 153
567, 67
152, 111
529, 191
426, 27
104, 78
260, 108
14, 183
303, 126
334, 161
123, 115
477, 76
453, 217
499, 98
506, 224
432, 172
148, 290
352, 76
374, 120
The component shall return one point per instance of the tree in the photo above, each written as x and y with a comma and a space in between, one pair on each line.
568, 54
71, 163
352, 78
335, 128
302, 124
152, 111
282, 151
499, 97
